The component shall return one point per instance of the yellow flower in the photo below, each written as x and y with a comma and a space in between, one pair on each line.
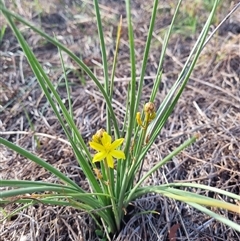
107, 149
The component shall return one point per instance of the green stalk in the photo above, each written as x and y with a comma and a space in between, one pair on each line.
110, 186
131, 113
145, 55
104, 60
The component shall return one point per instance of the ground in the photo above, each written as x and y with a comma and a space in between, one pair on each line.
210, 106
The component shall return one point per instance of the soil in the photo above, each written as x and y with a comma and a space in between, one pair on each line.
209, 106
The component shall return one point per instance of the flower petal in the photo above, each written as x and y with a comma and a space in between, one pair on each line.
116, 143
99, 156
110, 161
117, 154
106, 138
96, 146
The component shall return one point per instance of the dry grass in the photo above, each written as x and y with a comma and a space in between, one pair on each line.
210, 105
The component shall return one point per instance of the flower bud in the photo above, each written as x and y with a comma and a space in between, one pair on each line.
138, 118
149, 108
97, 137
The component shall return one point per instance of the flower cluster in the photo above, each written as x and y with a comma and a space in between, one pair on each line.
150, 114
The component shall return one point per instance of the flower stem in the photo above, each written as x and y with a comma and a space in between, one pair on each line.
114, 207
143, 138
